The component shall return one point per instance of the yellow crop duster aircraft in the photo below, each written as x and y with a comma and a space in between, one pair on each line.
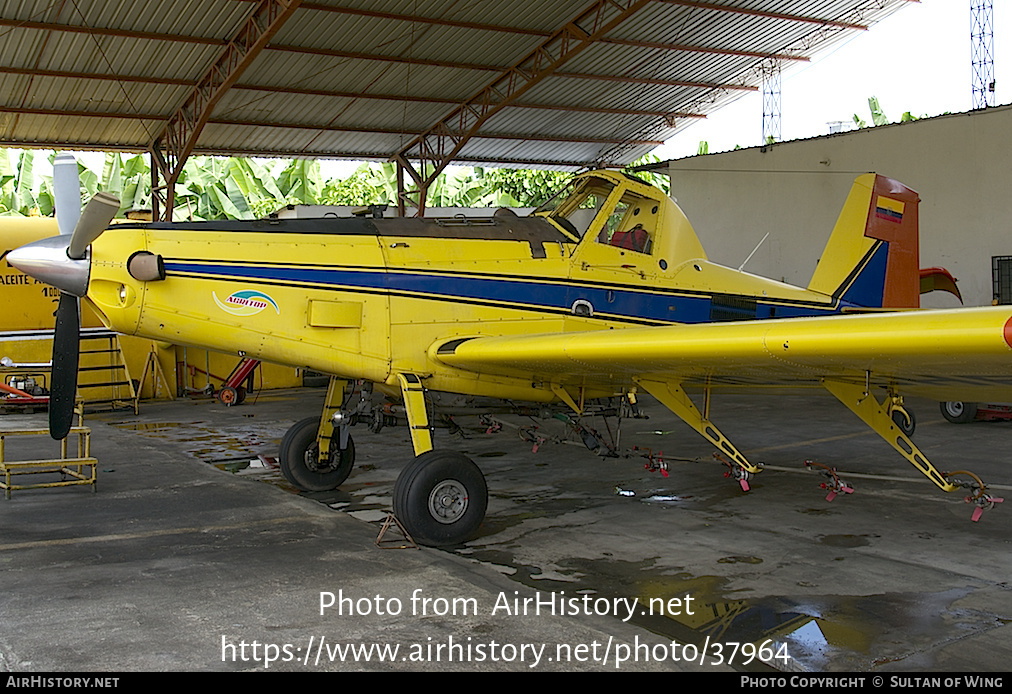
603, 291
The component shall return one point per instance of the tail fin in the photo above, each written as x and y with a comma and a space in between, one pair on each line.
872, 256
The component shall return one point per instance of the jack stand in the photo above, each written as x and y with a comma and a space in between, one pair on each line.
393, 543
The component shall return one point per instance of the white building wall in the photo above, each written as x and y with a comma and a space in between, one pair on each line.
960, 164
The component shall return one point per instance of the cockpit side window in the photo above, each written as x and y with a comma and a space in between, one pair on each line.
630, 225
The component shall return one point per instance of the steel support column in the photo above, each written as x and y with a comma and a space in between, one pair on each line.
179, 136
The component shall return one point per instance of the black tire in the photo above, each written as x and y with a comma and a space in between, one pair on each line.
298, 458
441, 498
907, 427
958, 412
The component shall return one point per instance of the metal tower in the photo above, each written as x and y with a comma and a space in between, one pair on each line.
982, 52
770, 71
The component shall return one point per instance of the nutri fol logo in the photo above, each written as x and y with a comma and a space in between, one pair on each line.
247, 302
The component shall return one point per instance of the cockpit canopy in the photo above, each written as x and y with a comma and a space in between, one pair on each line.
617, 210
613, 211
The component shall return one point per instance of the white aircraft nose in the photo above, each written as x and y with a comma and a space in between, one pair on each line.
47, 261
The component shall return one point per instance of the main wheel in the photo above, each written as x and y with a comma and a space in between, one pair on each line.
441, 498
958, 412
300, 458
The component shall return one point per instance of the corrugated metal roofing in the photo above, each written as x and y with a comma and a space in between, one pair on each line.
363, 78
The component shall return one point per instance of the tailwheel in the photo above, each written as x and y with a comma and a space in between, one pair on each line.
300, 458
441, 498
904, 420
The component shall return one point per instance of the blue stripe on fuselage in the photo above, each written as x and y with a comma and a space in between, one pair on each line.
609, 302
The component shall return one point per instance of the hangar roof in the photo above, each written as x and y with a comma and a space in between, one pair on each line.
563, 83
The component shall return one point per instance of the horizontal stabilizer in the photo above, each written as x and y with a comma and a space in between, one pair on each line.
938, 279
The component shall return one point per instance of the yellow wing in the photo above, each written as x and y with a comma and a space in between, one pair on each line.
960, 354
957, 354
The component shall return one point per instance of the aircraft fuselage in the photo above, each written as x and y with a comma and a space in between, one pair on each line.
364, 298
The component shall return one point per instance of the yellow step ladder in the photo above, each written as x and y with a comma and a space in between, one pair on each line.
102, 375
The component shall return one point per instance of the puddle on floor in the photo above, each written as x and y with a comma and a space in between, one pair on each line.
823, 633
213, 444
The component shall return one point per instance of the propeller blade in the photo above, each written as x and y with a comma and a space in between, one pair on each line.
63, 382
95, 219
66, 192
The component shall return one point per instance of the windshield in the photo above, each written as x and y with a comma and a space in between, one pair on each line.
575, 206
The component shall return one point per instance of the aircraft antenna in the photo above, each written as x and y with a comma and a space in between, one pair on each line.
753, 251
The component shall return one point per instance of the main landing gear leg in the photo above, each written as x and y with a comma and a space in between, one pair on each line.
441, 496
314, 456
674, 398
862, 403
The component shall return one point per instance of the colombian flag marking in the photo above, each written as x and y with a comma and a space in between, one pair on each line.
889, 209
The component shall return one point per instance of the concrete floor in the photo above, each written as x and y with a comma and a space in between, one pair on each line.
187, 558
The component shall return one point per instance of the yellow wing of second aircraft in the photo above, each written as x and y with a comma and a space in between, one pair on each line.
960, 354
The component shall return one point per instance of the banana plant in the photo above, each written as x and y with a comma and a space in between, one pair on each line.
218, 188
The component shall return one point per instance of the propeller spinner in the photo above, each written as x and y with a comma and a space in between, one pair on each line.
62, 261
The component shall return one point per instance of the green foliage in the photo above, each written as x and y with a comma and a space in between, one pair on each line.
301, 183
525, 187
17, 185
458, 187
878, 116
229, 188
369, 185
654, 178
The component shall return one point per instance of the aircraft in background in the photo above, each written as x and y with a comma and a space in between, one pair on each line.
603, 292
